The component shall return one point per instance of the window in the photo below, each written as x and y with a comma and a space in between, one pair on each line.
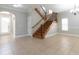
50, 11
5, 25
65, 24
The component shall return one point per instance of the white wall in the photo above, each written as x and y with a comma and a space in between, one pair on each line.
73, 22
35, 17
21, 21
52, 30
29, 25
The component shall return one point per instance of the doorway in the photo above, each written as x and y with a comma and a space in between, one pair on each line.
7, 24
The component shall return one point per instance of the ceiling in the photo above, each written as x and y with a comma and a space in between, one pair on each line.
59, 7
27, 7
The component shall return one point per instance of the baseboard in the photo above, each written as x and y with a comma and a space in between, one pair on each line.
75, 35
50, 35
18, 36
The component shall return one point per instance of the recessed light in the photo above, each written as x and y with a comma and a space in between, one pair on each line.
17, 5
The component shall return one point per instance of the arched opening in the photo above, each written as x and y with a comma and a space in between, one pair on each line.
7, 24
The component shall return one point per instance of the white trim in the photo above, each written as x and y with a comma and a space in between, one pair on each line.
75, 35
29, 34
50, 35
18, 36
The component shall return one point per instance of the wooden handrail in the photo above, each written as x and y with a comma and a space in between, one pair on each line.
40, 21
36, 24
39, 13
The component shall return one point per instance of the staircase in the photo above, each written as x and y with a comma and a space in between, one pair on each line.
44, 28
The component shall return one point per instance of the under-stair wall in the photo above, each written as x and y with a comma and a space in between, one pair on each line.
52, 30
53, 27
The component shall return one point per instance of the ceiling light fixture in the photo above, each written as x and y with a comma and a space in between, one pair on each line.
75, 10
17, 5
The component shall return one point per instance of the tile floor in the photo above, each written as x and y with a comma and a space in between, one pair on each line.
56, 45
